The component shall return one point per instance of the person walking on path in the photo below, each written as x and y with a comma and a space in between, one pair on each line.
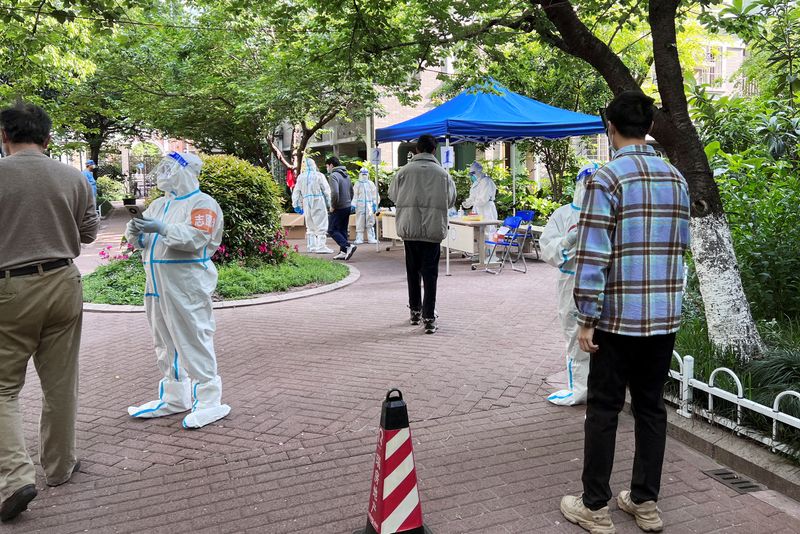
46, 212
311, 198
88, 172
423, 192
341, 199
633, 232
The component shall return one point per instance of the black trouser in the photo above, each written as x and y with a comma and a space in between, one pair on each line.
422, 265
641, 363
337, 227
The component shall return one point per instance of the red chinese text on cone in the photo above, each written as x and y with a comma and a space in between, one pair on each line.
394, 506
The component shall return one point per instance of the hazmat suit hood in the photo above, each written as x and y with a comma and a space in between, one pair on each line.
580, 185
363, 175
178, 173
476, 169
311, 167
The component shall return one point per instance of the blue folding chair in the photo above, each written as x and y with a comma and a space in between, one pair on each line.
526, 233
508, 242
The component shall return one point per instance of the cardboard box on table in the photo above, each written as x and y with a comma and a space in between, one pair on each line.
295, 227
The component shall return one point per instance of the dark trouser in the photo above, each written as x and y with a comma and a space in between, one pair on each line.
337, 227
422, 265
641, 363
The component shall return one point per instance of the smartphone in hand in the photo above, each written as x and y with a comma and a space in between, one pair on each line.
135, 212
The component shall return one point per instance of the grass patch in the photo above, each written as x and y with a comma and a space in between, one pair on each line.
123, 281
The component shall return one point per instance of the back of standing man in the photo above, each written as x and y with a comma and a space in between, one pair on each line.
46, 212
632, 235
341, 198
423, 192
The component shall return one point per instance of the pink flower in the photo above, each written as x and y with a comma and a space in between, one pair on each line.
296, 248
130, 247
262, 248
109, 247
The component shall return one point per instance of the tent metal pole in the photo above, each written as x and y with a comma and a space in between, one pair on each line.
373, 139
447, 214
514, 177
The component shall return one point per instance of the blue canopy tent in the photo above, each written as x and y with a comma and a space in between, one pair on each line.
491, 114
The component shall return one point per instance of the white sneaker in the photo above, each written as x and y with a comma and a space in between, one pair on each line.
340, 256
350, 250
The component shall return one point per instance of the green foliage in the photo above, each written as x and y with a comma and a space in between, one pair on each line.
118, 282
109, 189
251, 204
771, 29
123, 281
529, 195
758, 182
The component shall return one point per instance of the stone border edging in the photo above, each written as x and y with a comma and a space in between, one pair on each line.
354, 275
724, 447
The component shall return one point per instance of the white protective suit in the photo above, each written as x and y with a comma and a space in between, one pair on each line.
180, 280
558, 242
365, 201
481, 196
312, 193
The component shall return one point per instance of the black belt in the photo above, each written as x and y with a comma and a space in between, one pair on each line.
34, 269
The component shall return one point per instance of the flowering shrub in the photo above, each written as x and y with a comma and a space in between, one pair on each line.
124, 252
272, 251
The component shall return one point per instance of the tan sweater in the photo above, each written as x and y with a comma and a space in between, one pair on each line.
46, 210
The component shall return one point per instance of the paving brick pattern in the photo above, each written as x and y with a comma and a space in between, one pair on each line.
305, 379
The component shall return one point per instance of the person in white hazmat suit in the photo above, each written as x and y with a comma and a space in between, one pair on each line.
481, 196
312, 198
365, 202
558, 243
178, 235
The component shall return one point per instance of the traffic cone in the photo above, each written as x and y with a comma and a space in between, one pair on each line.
394, 505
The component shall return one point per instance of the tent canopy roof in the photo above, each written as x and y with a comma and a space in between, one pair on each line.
491, 113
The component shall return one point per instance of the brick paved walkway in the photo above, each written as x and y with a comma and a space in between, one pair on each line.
305, 379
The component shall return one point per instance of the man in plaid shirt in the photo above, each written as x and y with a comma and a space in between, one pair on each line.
632, 236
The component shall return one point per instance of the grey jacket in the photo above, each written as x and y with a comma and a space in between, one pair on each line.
422, 192
341, 188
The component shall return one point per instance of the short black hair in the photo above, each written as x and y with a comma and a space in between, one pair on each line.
333, 160
426, 143
25, 123
631, 112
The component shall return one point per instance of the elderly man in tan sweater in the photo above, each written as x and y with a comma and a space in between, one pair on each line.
46, 212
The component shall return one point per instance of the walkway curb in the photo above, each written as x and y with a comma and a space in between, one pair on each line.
744, 456
354, 275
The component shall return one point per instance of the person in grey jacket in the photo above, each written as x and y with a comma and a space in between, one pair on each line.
341, 198
423, 192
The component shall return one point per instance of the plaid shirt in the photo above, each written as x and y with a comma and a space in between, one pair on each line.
632, 235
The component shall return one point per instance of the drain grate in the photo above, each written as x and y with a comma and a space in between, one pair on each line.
733, 480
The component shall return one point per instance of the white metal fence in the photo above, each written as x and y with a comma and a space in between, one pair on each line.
686, 406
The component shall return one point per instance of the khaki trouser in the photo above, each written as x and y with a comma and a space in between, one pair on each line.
40, 316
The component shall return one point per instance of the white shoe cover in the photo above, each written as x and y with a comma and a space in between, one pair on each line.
321, 247
565, 397
201, 418
311, 243
207, 407
371, 236
358, 242
173, 397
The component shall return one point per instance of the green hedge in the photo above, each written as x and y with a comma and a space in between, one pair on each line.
251, 205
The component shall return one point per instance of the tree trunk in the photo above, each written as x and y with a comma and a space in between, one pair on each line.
730, 323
